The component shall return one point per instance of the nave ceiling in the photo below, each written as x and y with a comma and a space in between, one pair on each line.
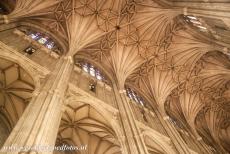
147, 45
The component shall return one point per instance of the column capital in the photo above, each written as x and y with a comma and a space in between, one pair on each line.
122, 91
69, 58
35, 93
6, 19
199, 138
166, 118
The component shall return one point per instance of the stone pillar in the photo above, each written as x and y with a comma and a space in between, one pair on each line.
39, 124
132, 136
175, 137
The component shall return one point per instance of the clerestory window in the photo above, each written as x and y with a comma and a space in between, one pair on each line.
43, 39
194, 21
92, 70
134, 96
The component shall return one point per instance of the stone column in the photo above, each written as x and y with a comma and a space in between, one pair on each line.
132, 136
175, 137
39, 124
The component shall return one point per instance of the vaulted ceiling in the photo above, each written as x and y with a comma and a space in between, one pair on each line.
16, 87
141, 43
82, 125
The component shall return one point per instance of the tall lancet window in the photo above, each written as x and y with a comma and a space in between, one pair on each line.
134, 96
92, 70
195, 22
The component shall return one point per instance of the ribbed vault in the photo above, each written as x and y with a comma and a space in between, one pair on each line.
83, 125
204, 92
144, 44
16, 87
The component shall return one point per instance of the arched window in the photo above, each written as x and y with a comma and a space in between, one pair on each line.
194, 21
134, 96
42, 39
92, 70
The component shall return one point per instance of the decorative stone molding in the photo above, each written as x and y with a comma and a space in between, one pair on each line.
77, 69
108, 87
92, 99
100, 83
16, 55
166, 118
70, 58
156, 133
85, 74
185, 11
6, 19
122, 91
35, 93
152, 113
199, 139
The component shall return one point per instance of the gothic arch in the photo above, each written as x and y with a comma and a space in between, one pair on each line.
96, 64
22, 63
158, 140
40, 28
110, 117
18, 82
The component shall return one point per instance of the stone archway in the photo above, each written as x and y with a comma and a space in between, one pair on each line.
157, 144
16, 88
86, 128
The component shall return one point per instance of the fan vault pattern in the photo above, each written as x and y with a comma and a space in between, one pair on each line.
203, 95
146, 45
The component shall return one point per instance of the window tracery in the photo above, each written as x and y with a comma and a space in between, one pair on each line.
134, 96
194, 21
42, 39
92, 70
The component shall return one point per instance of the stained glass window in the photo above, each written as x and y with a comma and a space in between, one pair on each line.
42, 39
85, 67
35, 36
50, 45
134, 96
195, 22
92, 70
98, 75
